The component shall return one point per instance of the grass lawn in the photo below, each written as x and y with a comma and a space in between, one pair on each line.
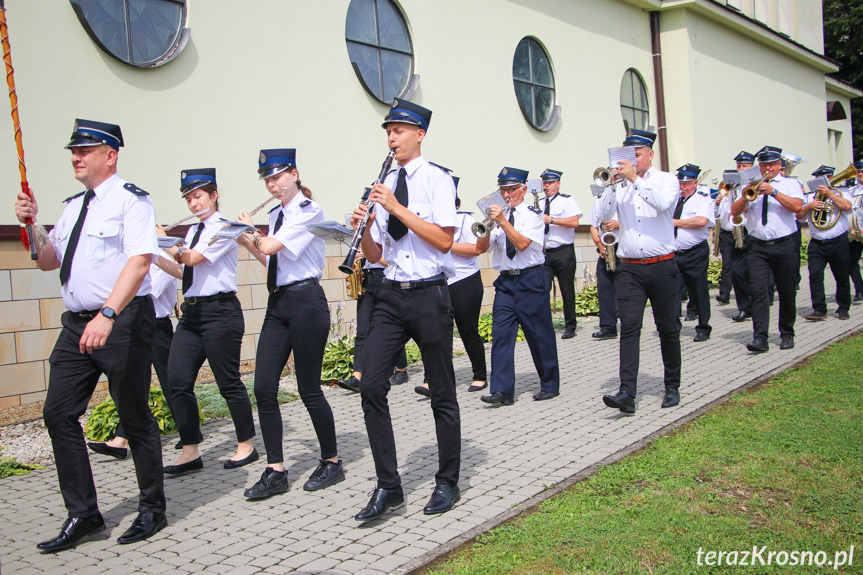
777, 468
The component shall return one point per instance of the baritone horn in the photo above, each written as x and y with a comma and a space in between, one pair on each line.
857, 218
609, 239
826, 217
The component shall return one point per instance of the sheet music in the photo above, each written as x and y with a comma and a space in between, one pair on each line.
231, 231
750, 175
596, 190
493, 199
534, 186
732, 178
625, 153
168, 242
331, 231
820, 181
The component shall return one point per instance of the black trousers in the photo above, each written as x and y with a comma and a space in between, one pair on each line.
560, 262
161, 348
835, 253
855, 249
424, 314
372, 281
782, 258
211, 330
606, 294
125, 359
692, 265
298, 321
466, 297
798, 240
635, 285
736, 276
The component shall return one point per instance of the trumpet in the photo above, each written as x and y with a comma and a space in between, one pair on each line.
608, 239
606, 177
750, 192
483, 228
187, 218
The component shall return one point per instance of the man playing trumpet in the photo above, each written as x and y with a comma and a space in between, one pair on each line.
733, 257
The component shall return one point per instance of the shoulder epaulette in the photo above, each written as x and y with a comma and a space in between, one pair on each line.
703, 193
447, 170
390, 172
78, 195
305, 203
136, 190
274, 209
464, 212
564, 195
535, 210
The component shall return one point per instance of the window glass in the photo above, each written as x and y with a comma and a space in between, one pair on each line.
634, 105
533, 80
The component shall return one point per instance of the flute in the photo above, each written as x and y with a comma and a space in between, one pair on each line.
267, 201
189, 217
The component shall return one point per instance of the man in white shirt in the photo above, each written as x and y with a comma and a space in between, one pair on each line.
605, 273
855, 246
734, 274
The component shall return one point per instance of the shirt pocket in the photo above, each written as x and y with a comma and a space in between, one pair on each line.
104, 241
423, 210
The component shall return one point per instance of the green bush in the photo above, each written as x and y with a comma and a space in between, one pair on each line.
804, 249
714, 270
10, 467
103, 420
413, 352
587, 301
211, 404
338, 359
485, 323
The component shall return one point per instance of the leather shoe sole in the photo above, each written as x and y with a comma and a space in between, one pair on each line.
498, 398
105, 449
620, 401
250, 458
380, 503
422, 390
815, 317
73, 530
568, 334
701, 337
143, 527
757, 346
603, 335
194, 465
543, 395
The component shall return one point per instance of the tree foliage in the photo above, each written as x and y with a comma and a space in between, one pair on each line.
843, 42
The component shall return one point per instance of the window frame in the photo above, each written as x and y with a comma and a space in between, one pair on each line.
554, 112
632, 110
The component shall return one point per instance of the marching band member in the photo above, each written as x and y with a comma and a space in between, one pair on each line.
412, 229
771, 222
108, 328
604, 276
828, 246
644, 206
297, 320
560, 216
521, 293
855, 246
734, 273
211, 327
693, 218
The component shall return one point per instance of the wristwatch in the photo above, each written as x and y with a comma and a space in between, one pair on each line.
108, 312
773, 192
552, 220
178, 254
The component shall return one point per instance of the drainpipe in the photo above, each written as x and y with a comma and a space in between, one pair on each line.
660, 90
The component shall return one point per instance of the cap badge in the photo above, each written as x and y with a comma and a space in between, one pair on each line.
503, 172
263, 158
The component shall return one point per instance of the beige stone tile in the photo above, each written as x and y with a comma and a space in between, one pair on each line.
35, 284
11, 401
260, 295
254, 319
35, 345
7, 348
250, 272
51, 310
19, 378
244, 294
248, 350
28, 398
334, 289
488, 296
331, 268
14, 256
488, 276
334, 248
19, 315
5, 285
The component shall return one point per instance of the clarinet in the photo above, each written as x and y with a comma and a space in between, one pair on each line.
347, 266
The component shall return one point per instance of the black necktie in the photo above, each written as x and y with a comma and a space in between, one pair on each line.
188, 271
764, 210
273, 267
510, 247
397, 228
73, 239
678, 211
548, 210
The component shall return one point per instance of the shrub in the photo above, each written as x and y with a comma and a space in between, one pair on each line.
413, 352
485, 323
10, 467
103, 420
804, 249
211, 404
587, 301
714, 270
338, 359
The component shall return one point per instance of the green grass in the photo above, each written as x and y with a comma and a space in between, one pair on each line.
779, 466
9, 467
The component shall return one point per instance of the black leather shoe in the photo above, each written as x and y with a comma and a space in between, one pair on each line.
327, 473
691, 317
271, 483
422, 390
498, 398
179, 444
105, 449
145, 525
843, 314
399, 377
741, 316
816, 316
442, 499
73, 530
194, 465
758, 345
543, 395
351, 384
604, 334
699, 337
671, 398
787, 342
858, 297
382, 499
620, 400
568, 334
250, 458
723, 300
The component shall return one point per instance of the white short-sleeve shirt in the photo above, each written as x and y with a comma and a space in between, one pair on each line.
561, 206
528, 222
163, 292
218, 272
698, 204
780, 221
465, 266
302, 254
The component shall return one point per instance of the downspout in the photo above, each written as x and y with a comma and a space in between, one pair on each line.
660, 90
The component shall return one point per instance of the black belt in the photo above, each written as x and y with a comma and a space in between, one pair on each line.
558, 248
772, 242
687, 250
438, 280
374, 271
519, 272
837, 238
295, 286
90, 314
205, 298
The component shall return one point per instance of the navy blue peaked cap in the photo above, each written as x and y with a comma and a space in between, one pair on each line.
191, 180
640, 138
405, 112
90, 133
275, 161
550, 175
769, 154
688, 172
511, 177
744, 157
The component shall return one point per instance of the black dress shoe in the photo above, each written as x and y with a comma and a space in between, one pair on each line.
473, 387
328, 473
194, 465
758, 345
742, 316
145, 525
568, 334
723, 300
858, 297
399, 377
442, 499
422, 390
73, 530
620, 400
787, 342
105, 449
543, 395
604, 334
351, 384
382, 499
271, 483
843, 314
816, 316
671, 398
179, 444
691, 317
498, 398
233, 464
699, 337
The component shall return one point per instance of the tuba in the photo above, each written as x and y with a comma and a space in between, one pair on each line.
826, 217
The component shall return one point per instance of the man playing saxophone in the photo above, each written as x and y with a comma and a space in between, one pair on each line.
606, 265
